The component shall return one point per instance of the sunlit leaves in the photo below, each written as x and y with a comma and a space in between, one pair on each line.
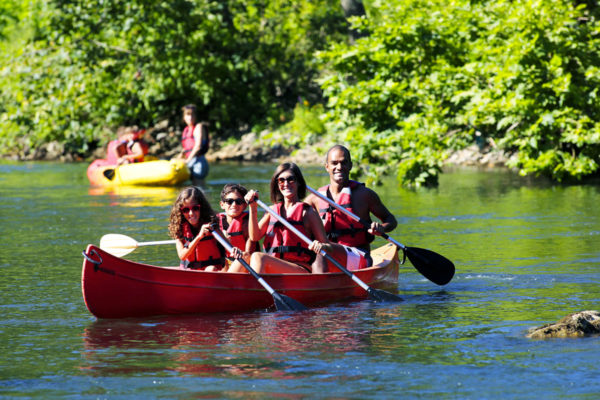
522, 73
122, 62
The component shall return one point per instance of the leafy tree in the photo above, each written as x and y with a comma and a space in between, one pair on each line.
92, 65
431, 76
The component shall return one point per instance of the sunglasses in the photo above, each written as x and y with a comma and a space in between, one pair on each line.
289, 179
237, 201
186, 210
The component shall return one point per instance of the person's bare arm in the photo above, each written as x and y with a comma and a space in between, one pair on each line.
186, 253
256, 229
388, 221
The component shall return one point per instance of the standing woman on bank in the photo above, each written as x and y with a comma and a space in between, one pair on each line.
284, 251
195, 142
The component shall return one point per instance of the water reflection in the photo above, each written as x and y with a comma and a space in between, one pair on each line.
248, 345
137, 196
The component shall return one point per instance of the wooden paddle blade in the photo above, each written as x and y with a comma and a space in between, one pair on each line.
433, 266
382, 295
286, 303
117, 244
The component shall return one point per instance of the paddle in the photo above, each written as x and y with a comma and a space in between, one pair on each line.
120, 245
282, 302
109, 173
433, 266
374, 294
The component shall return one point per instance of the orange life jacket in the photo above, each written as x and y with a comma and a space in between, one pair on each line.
207, 252
282, 242
339, 227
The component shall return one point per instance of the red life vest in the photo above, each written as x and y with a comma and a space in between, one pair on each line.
117, 148
235, 231
339, 227
207, 252
188, 141
283, 243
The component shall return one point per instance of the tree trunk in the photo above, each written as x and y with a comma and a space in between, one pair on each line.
354, 8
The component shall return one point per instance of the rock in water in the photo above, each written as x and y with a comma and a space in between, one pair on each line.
578, 324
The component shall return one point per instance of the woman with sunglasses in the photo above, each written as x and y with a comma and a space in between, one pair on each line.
233, 222
191, 223
284, 251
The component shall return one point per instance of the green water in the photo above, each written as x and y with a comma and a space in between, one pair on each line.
526, 253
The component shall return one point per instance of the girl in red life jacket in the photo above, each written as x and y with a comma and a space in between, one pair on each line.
190, 224
128, 148
195, 142
284, 251
234, 224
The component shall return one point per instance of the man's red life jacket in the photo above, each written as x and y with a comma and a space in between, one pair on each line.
341, 228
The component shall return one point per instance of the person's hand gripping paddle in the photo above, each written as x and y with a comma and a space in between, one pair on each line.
433, 266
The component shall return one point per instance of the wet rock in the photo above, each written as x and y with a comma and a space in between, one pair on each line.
475, 155
164, 139
579, 324
251, 147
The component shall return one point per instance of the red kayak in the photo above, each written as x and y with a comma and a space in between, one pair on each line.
116, 288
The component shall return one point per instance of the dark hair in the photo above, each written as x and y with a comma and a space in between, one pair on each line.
276, 195
233, 187
338, 147
191, 109
176, 219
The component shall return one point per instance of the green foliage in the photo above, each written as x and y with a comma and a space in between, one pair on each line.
304, 129
91, 66
424, 79
431, 75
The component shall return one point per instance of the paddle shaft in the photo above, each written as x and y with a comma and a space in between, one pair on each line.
308, 242
352, 215
157, 242
281, 301
433, 266
229, 248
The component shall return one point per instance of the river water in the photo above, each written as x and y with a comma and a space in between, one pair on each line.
526, 253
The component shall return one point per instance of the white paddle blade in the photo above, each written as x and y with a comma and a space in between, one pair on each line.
118, 245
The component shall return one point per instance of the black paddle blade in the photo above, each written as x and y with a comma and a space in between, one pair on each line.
433, 266
109, 174
286, 303
382, 295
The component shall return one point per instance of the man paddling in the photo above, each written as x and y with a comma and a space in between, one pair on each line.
358, 199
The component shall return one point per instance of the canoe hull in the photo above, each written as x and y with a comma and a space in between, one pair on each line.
117, 288
147, 173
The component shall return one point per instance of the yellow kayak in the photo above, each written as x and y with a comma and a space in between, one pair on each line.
147, 173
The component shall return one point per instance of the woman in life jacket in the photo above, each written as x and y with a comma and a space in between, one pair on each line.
191, 223
195, 142
128, 148
284, 252
233, 222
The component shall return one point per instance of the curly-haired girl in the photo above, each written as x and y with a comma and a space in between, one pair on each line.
191, 222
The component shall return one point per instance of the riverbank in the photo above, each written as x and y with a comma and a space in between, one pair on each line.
164, 142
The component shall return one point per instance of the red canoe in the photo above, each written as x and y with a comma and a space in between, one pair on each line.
116, 288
